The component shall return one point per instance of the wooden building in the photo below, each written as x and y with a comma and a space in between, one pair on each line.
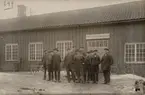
119, 27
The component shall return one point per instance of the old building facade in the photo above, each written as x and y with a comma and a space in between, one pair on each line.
121, 28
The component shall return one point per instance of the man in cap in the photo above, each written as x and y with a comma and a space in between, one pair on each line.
95, 66
50, 65
56, 60
90, 66
87, 66
44, 59
78, 60
68, 61
106, 62
82, 50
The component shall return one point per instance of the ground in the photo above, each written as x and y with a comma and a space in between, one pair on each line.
25, 82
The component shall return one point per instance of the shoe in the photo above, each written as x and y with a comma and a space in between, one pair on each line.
55, 81
68, 81
59, 81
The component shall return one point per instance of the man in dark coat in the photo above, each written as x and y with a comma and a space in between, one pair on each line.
44, 59
106, 62
78, 61
56, 60
49, 65
84, 65
87, 65
95, 61
90, 65
68, 61
82, 50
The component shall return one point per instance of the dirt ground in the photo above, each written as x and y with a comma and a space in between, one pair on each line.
25, 82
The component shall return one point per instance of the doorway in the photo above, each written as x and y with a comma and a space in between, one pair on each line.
63, 46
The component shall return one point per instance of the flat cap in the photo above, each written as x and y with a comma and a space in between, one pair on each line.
106, 49
55, 49
95, 50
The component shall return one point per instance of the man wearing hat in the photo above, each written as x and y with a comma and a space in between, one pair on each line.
44, 59
87, 67
78, 60
56, 60
49, 65
106, 62
68, 61
95, 61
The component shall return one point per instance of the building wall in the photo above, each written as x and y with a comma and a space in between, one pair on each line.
119, 35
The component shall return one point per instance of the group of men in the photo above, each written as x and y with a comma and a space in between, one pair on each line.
80, 66
84, 67
51, 63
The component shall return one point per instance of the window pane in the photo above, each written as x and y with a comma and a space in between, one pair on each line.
15, 52
140, 52
8, 52
39, 51
32, 51
97, 44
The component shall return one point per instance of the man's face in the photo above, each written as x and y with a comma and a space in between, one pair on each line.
106, 51
51, 52
55, 51
68, 51
95, 52
81, 49
45, 52
73, 49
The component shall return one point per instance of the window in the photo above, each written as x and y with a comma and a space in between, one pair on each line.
98, 44
63, 46
135, 52
95, 44
35, 51
11, 52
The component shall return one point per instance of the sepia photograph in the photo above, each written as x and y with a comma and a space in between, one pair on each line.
92, 47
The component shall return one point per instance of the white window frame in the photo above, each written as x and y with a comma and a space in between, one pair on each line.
35, 51
64, 41
11, 44
133, 62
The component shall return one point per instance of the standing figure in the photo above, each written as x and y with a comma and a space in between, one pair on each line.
95, 66
89, 62
49, 66
106, 62
87, 67
83, 65
56, 61
78, 60
44, 58
68, 61
82, 50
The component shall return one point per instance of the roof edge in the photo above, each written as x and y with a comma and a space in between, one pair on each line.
78, 25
